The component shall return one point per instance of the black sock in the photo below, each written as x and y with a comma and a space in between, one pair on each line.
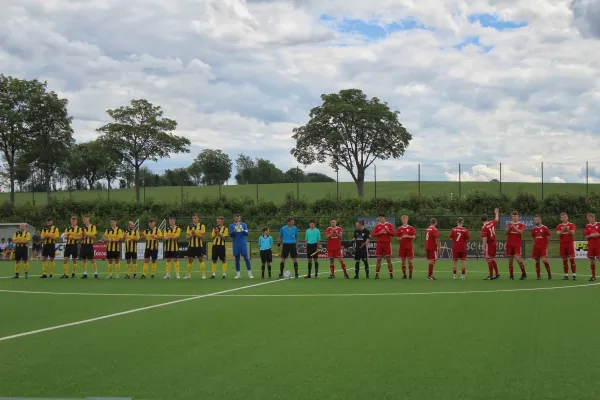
366, 266
296, 268
262, 269
356, 268
269, 268
309, 267
316, 267
281, 266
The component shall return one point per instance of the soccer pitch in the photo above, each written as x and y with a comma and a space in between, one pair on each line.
299, 339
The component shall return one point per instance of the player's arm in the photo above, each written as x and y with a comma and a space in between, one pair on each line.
413, 234
367, 241
587, 233
572, 231
189, 233
519, 231
467, 236
497, 215
200, 233
245, 231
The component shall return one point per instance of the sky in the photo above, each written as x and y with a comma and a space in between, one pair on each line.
477, 82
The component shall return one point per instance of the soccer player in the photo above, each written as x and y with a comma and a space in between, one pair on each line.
566, 233
73, 236
460, 236
592, 234
265, 243
88, 232
239, 232
195, 236
113, 237
334, 248
541, 235
288, 234
36, 240
219, 236
132, 237
432, 246
383, 233
3, 248
488, 244
50, 235
171, 236
10, 248
361, 240
406, 234
313, 240
514, 234
152, 235
21, 239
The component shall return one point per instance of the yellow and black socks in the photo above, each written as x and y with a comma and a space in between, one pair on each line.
145, 268
135, 268
44, 268
128, 268
110, 268
26, 266
74, 267
118, 267
224, 267
153, 268
214, 268
66, 268
168, 267
202, 267
177, 268
52, 266
189, 268
17, 268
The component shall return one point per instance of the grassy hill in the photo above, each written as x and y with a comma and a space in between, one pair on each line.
313, 191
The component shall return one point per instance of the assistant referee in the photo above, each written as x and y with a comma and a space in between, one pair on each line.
288, 234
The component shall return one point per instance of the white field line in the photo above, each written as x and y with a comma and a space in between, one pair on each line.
85, 321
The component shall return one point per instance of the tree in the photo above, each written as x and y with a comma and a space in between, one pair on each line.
267, 172
52, 135
176, 177
16, 96
318, 177
94, 161
214, 165
140, 133
351, 132
294, 175
244, 166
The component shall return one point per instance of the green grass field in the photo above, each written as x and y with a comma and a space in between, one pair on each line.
312, 191
299, 339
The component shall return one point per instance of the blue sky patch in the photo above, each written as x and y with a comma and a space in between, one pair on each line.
472, 40
493, 21
373, 29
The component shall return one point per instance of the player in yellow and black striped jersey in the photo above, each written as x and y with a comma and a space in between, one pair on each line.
50, 235
88, 234
21, 240
73, 236
152, 235
171, 236
132, 237
219, 236
195, 235
113, 238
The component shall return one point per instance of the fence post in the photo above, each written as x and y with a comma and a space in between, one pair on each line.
419, 178
297, 182
337, 183
181, 193
500, 178
256, 193
108, 188
375, 172
587, 180
144, 194
542, 180
459, 182
219, 191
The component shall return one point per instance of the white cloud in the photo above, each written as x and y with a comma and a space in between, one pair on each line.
239, 75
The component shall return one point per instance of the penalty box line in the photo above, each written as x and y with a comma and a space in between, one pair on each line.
86, 321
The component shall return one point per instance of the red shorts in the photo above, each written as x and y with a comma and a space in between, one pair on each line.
490, 251
406, 253
567, 251
539, 252
432, 255
383, 249
593, 252
334, 253
459, 255
512, 250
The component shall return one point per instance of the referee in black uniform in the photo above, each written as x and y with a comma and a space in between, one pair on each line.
361, 241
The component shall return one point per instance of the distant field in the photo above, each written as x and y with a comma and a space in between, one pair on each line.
313, 191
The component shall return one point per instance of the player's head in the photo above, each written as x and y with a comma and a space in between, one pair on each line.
113, 223
460, 221
49, 221
484, 218
537, 220
73, 220
564, 218
3, 240
515, 216
312, 224
360, 224
131, 225
195, 218
332, 223
237, 217
151, 223
381, 218
22, 227
86, 219
290, 221
265, 230
404, 220
171, 221
220, 221
433, 222
591, 218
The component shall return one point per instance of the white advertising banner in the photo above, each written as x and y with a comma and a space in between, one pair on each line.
141, 247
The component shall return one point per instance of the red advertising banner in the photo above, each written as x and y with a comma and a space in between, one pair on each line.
100, 251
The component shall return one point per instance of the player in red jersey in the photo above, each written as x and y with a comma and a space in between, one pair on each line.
406, 234
383, 232
460, 236
541, 235
566, 233
334, 248
514, 234
488, 244
432, 246
592, 234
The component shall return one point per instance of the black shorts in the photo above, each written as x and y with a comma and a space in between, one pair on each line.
113, 255
171, 254
36, 246
131, 255
218, 253
311, 248
150, 254
86, 252
266, 256
289, 250
361, 253
49, 250
71, 251
193, 252
21, 253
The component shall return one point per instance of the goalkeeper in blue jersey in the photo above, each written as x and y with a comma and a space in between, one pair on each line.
239, 232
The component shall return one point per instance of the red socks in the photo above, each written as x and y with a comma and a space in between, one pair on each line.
495, 267
593, 268
332, 269
537, 268
410, 268
344, 269
463, 271
573, 266
522, 266
404, 269
491, 267
511, 269
566, 267
430, 272
390, 269
547, 265
454, 270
